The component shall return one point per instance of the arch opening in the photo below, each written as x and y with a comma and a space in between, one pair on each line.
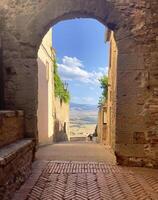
83, 75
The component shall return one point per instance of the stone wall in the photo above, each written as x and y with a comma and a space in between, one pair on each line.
136, 86
16, 153
112, 91
11, 127
135, 30
102, 131
126, 98
150, 48
15, 167
61, 126
1, 75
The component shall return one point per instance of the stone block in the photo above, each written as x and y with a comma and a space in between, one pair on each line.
124, 137
139, 138
15, 166
11, 126
131, 150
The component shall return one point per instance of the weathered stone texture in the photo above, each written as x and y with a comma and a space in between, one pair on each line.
11, 126
1, 74
16, 153
135, 27
15, 166
61, 124
102, 131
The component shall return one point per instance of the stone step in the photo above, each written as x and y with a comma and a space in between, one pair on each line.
9, 152
15, 166
78, 138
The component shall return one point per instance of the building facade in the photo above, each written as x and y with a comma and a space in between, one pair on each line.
102, 124
53, 113
112, 91
107, 112
46, 110
62, 123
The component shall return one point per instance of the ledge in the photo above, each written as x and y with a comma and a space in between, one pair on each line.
11, 113
9, 152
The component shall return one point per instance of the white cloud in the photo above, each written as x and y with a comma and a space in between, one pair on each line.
69, 61
73, 69
104, 70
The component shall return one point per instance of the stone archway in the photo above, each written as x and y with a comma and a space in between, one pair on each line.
26, 22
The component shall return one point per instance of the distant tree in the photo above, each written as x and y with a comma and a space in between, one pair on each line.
104, 86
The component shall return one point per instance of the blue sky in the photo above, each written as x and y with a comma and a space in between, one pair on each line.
82, 57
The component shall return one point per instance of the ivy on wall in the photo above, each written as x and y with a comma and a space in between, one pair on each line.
104, 86
60, 90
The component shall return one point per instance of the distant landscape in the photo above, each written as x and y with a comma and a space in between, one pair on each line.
83, 119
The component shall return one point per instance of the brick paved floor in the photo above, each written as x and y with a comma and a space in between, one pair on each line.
70, 180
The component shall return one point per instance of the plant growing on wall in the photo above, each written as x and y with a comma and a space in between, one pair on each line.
104, 86
60, 90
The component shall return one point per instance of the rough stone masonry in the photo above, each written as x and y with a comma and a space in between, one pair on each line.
135, 26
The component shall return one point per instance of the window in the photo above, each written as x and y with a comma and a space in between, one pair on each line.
104, 117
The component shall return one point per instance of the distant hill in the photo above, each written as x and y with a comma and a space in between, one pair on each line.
83, 118
83, 107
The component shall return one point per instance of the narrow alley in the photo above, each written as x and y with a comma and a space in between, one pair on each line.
78, 99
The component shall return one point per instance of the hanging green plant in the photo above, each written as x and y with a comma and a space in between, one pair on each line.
60, 90
104, 86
